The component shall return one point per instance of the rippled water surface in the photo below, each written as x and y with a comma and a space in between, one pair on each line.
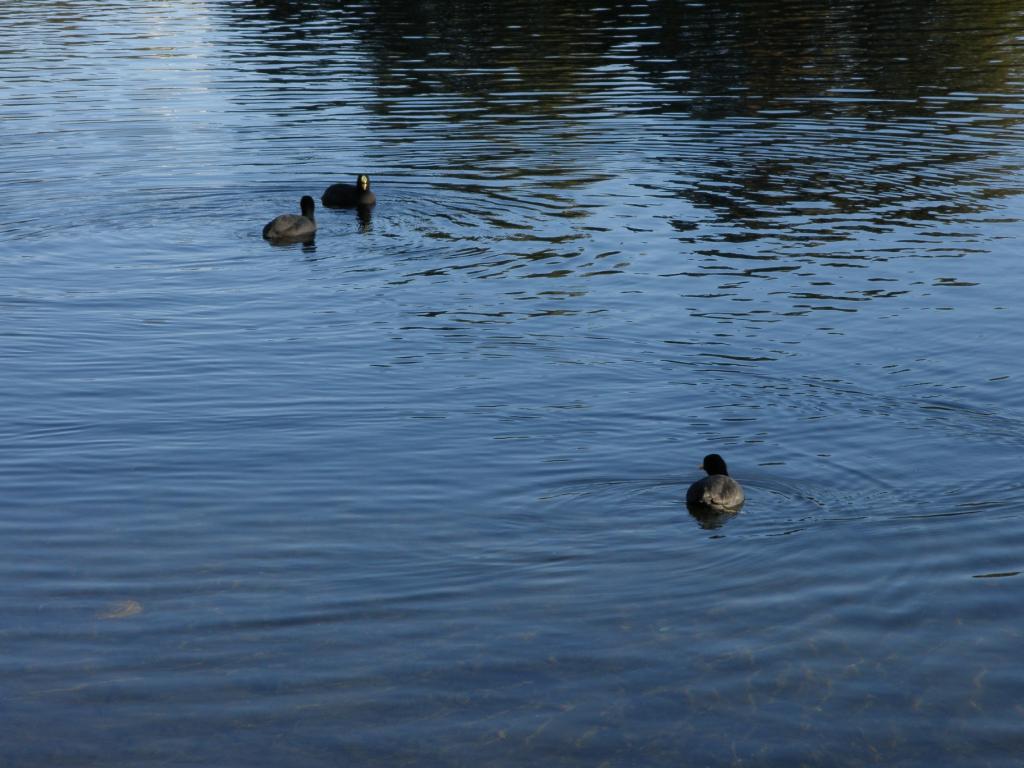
411, 493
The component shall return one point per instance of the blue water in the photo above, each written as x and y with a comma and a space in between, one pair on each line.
411, 493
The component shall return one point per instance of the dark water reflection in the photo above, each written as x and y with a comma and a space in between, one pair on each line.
412, 494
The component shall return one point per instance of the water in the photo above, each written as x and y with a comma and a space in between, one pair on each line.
411, 494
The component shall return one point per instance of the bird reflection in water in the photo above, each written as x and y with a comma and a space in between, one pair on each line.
710, 518
365, 215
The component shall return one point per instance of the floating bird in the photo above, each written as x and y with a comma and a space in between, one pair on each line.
358, 195
717, 491
290, 226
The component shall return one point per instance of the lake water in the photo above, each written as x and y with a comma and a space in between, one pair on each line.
411, 494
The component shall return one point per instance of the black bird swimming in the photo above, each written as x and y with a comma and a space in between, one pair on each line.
358, 195
291, 226
717, 491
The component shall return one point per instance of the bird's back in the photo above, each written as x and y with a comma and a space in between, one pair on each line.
289, 225
718, 491
347, 196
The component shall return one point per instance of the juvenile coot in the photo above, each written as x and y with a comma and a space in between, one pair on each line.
350, 195
717, 491
290, 226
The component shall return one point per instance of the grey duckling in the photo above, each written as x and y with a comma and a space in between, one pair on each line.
290, 226
358, 195
717, 491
